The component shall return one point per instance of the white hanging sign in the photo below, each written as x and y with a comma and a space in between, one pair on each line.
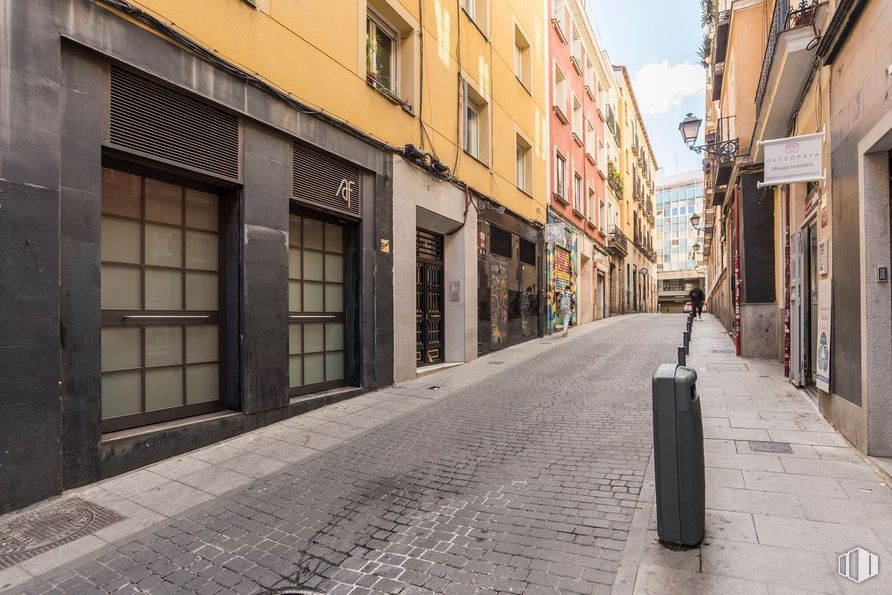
794, 159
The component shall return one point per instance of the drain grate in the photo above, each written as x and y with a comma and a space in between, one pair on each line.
33, 534
495, 363
775, 447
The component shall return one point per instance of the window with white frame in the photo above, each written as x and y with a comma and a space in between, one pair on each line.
522, 68
602, 215
523, 164
576, 49
560, 176
478, 11
472, 128
577, 120
560, 94
391, 44
382, 54
590, 141
590, 78
601, 158
577, 193
602, 102
559, 17
476, 123
590, 205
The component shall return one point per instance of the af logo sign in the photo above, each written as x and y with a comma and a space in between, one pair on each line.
345, 191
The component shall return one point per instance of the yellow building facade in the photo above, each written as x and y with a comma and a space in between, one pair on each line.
463, 83
321, 53
637, 167
255, 208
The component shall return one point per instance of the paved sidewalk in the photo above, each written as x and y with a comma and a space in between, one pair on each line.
775, 523
517, 472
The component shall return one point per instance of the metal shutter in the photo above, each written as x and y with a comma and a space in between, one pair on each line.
500, 241
158, 122
323, 181
527, 252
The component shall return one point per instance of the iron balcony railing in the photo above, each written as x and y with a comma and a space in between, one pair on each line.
783, 19
617, 238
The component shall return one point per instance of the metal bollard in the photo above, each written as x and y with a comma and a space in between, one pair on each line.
678, 456
682, 356
687, 341
690, 324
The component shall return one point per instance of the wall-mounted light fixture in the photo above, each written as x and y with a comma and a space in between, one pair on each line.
690, 130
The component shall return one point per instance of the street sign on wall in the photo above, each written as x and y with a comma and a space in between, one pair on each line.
793, 160
554, 232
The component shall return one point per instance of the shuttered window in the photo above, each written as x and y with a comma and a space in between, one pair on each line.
527, 252
153, 120
500, 241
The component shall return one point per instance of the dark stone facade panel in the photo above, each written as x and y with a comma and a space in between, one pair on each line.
859, 98
79, 254
29, 437
377, 292
757, 243
50, 388
265, 292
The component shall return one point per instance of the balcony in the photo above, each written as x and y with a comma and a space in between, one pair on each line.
617, 242
719, 51
614, 179
786, 67
718, 75
721, 166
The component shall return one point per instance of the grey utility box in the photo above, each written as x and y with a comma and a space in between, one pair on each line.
678, 456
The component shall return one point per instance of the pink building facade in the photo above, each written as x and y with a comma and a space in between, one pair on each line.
577, 197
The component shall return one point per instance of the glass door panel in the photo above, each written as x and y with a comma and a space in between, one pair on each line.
161, 254
316, 334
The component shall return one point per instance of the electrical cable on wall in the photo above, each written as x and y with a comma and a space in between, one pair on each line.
423, 159
210, 56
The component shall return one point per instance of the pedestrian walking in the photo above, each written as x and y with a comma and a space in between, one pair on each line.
697, 298
566, 301
527, 301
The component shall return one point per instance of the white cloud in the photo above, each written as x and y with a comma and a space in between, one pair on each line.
660, 88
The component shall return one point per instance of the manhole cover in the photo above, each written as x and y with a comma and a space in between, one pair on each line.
32, 534
776, 447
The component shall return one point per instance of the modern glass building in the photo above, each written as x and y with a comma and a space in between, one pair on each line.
678, 243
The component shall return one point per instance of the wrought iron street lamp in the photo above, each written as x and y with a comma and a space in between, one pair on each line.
690, 130
695, 221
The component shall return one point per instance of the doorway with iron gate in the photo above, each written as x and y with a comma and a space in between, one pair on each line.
430, 348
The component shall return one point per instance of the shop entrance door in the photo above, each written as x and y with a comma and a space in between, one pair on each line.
316, 304
602, 293
428, 298
796, 310
810, 334
161, 255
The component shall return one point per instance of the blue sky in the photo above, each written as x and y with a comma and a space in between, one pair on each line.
657, 40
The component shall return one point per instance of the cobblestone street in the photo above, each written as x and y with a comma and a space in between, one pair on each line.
525, 482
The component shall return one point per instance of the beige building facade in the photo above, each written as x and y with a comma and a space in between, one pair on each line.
824, 305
